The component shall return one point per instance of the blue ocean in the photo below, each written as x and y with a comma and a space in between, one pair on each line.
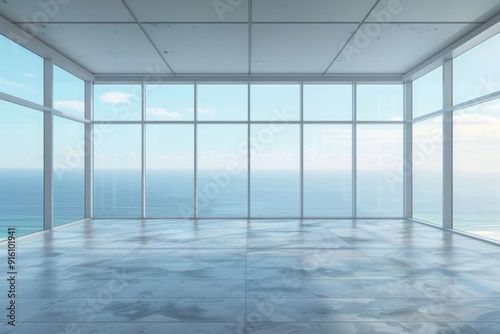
273, 194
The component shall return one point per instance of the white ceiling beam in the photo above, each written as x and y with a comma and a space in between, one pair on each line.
152, 78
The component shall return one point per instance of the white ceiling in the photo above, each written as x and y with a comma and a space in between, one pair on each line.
249, 37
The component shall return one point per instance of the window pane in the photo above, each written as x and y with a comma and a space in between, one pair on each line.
275, 102
380, 102
169, 170
21, 72
222, 102
327, 102
169, 102
476, 171
327, 171
475, 72
21, 169
380, 171
117, 170
428, 93
222, 170
69, 164
275, 170
117, 102
69, 93
428, 170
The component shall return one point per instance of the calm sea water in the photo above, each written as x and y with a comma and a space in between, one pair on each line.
170, 194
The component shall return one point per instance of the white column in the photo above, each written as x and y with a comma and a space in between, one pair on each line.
408, 151
249, 173
89, 150
143, 152
301, 150
48, 149
354, 153
447, 145
195, 150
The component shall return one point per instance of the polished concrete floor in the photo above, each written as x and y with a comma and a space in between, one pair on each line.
257, 276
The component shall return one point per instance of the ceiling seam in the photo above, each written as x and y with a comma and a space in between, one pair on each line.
148, 37
257, 23
350, 38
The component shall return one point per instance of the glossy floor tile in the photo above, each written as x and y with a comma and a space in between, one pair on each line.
254, 276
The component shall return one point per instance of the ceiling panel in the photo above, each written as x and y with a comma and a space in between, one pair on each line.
310, 11
434, 11
302, 48
288, 36
202, 48
397, 48
104, 48
65, 11
190, 10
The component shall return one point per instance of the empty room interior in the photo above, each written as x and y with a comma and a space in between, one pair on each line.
250, 166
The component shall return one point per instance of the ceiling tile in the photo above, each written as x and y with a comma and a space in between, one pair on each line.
310, 11
202, 48
434, 11
190, 10
44, 11
297, 48
104, 48
397, 48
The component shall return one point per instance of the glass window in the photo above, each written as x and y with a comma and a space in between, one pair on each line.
275, 102
69, 176
476, 170
328, 170
275, 170
381, 102
170, 170
170, 102
21, 169
428, 93
380, 170
69, 93
222, 102
117, 170
428, 170
21, 72
475, 72
327, 102
117, 102
222, 170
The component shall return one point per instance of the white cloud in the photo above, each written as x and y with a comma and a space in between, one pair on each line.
477, 126
29, 75
476, 142
116, 97
206, 111
476, 119
164, 113
494, 107
9, 83
77, 106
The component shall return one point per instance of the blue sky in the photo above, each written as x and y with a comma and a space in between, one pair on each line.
379, 102
21, 137
21, 72
222, 102
328, 102
170, 102
428, 93
476, 129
